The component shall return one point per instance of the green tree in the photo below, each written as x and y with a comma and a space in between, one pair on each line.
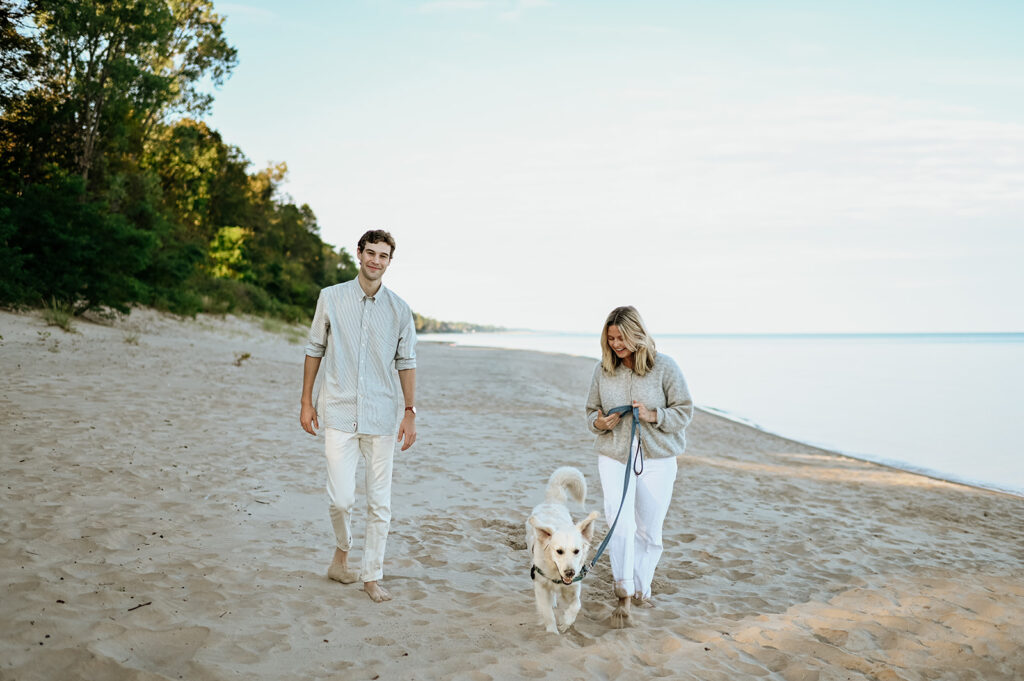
339, 266
111, 189
202, 180
118, 67
99, 80
19, 53
60, 245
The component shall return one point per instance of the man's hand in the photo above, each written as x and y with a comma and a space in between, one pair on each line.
407, 431
307, 417
603, 422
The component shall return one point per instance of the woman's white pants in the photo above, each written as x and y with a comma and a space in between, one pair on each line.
378, 452
635, 547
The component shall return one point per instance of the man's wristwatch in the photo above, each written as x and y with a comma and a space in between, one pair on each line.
412, 409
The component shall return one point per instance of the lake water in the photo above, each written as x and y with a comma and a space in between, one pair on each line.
942, 404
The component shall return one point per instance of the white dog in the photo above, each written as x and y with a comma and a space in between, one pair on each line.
559, 549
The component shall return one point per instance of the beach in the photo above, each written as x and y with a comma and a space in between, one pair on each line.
164, 517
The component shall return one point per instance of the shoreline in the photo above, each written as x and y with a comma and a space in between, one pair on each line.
165, 518
893, 465
744, 421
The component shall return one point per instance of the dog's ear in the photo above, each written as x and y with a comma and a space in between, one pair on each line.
543, 533
586, 526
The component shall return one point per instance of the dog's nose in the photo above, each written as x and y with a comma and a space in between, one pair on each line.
570, 572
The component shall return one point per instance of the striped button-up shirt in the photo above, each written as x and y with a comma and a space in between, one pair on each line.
364, 340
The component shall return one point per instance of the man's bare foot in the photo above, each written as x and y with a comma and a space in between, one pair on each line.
342, 573
376, 592
642, 602
339, 570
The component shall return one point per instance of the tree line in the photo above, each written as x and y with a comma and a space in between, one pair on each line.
431, 325
113, 191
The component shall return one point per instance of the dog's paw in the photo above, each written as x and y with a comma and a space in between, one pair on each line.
564, 627
551, 628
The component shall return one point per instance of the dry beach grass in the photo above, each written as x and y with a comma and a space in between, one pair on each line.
164, 518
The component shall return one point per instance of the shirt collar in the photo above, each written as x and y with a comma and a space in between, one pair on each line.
360, 294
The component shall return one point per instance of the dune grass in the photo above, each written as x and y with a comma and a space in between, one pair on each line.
59, 314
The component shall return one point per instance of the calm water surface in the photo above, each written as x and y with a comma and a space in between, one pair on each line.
942, 404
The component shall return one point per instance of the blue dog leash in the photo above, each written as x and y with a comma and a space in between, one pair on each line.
631, 466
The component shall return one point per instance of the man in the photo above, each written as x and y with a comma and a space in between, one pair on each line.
363, 330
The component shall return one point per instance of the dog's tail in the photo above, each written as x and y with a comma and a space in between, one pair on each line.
566, 483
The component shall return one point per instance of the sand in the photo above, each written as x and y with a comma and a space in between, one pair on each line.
163, 517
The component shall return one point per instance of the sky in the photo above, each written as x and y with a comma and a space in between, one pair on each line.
725, 167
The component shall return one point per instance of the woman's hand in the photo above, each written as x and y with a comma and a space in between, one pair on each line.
603, 422
646, 415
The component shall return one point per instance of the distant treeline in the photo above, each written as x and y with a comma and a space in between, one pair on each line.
113, 192
428, 325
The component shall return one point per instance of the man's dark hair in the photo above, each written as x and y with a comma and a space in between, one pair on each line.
377, 236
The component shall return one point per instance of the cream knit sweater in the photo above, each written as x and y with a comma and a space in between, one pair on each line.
663, 389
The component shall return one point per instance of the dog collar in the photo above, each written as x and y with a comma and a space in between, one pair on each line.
534, 570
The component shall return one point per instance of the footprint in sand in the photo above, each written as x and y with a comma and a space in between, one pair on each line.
578, 637
379, 641
477, 676
431, 561
168, 652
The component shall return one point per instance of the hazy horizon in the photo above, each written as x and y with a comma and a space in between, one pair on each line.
714, 334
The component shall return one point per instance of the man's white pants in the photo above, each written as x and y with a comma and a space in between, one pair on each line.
635, 548
378, 451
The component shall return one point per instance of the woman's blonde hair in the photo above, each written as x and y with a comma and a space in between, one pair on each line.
634, 332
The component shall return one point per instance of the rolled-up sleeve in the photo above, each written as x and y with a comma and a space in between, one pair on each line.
405, 353
316, 344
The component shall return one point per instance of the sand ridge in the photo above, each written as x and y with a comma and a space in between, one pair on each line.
164, 518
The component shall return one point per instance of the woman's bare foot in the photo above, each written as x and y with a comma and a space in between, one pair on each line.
621, 617
339, 570
376, 592
642, 602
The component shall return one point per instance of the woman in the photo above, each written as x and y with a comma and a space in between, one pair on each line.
632, 373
